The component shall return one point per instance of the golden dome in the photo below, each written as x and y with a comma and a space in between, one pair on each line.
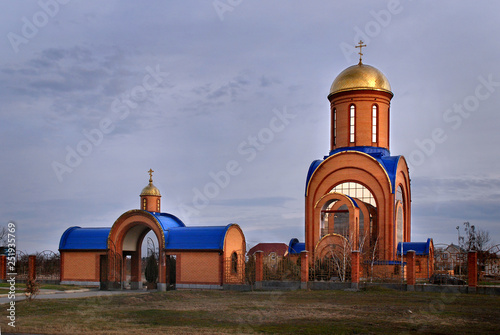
150, 190
360, 77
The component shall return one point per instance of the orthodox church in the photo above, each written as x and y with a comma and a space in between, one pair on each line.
359, 196
189, 257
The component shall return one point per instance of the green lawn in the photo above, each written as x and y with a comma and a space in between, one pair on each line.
373, 311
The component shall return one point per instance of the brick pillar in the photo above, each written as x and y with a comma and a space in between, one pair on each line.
135, 271
3, 268
162, 272
304, 269
259, 269
410, 270
32, 267
355, 269
472, 271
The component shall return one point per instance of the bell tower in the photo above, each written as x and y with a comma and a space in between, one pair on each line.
359, 191
150, 196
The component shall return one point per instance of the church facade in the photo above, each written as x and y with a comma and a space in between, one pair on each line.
358, 197
189, 257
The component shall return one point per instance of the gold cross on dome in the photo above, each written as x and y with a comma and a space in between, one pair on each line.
360, 46
150, 175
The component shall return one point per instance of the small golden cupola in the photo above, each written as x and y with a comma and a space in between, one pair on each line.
150, 196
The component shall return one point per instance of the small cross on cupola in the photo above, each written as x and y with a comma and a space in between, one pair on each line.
150, 196
360, 46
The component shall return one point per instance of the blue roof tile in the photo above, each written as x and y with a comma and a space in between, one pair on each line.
77, 238
295, 247
382, 155
196, 238
420, 248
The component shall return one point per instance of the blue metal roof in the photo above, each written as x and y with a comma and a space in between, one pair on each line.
167, 220
295, 247
177, 236
382, 155
420, 248
196, 238
77, 238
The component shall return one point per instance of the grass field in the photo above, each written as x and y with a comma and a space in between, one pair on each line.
372, 311
22, 286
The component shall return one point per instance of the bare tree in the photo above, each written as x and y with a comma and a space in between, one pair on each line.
3, 236
475, 239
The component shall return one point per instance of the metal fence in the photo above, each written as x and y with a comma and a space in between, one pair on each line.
48, 266
281, 269
330, 269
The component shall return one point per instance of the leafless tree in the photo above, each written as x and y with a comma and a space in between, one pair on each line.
3, 236
475, 239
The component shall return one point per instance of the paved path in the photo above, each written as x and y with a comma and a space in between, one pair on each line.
54, 294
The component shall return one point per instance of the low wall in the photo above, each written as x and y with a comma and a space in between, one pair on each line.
331, 285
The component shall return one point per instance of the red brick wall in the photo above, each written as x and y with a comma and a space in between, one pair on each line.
80, 265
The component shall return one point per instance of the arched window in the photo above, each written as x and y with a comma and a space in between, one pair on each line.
355, 190
399, 224
158, 205
234, 262
352, 123
335, 126
374, 123
144, 203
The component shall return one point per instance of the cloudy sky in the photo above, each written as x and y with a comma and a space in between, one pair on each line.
226, 102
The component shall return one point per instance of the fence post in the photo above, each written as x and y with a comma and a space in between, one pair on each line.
3, 268
32, 267
304, 269
472, 271
410, 270
355, 269
259, 269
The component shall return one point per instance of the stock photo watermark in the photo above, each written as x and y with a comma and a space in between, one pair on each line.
454, 117
31, 25
371, 29
120, 108
223, 6
11, 273
248, 149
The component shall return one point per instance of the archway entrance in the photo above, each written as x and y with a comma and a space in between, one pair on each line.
124, 262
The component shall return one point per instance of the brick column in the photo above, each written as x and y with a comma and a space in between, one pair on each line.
259, 269
304, 269
3, 268
355, 269
162, 272
135, 271
32, 267
410, 270
472, 271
